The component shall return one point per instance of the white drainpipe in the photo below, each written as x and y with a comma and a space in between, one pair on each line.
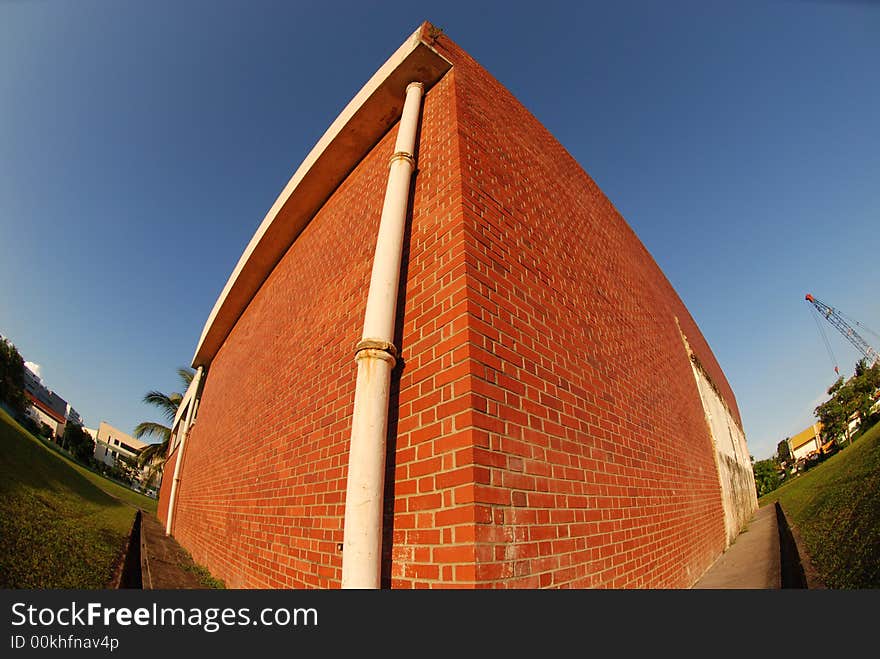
184, 431
375, 355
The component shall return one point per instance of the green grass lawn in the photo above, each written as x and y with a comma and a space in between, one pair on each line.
835, 507
61, 525
110, 487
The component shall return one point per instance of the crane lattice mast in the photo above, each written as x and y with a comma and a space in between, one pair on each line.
837, 321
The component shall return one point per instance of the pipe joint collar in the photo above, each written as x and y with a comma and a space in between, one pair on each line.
403, 155
376, 349
375, 355
380, 355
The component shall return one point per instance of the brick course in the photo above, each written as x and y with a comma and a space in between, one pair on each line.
545, 426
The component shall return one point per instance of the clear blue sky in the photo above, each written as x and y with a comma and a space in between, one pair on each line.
141, 144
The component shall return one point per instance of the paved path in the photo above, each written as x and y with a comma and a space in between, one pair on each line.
753, 560
163, 562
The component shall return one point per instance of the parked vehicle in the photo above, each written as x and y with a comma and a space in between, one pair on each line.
829, 448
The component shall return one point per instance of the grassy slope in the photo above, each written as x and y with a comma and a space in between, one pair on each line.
110, 487
836, 508
59, 527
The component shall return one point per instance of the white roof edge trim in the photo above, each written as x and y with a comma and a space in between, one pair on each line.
187, 398
204, 354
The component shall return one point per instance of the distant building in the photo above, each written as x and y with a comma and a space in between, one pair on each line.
73, 416
806, 441
47, 406
113, 445
36, 390
43, 413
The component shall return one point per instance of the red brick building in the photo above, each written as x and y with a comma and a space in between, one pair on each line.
550, 421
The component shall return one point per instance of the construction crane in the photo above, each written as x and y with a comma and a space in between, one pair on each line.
839, 322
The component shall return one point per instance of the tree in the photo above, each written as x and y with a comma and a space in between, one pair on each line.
855, 396
12, 378
78, 442
126, 468
865, 383
154, 455
783, 453
766, 476
835, 412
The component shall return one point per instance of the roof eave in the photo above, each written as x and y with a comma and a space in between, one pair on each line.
363, 122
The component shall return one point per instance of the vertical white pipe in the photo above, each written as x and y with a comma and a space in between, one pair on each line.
362, 546
184, 431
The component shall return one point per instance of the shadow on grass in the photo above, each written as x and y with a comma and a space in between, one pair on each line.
57, 528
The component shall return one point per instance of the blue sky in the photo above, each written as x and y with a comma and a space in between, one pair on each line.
141, 145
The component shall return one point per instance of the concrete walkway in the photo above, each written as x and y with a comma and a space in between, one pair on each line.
164, 563
753, 560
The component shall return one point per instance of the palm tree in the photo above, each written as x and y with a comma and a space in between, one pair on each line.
154, 454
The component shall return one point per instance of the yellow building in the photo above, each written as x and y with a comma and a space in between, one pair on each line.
806, 441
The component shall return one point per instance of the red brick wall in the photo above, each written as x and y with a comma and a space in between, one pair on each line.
546, 430
593, 463
262, 490
432, 527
